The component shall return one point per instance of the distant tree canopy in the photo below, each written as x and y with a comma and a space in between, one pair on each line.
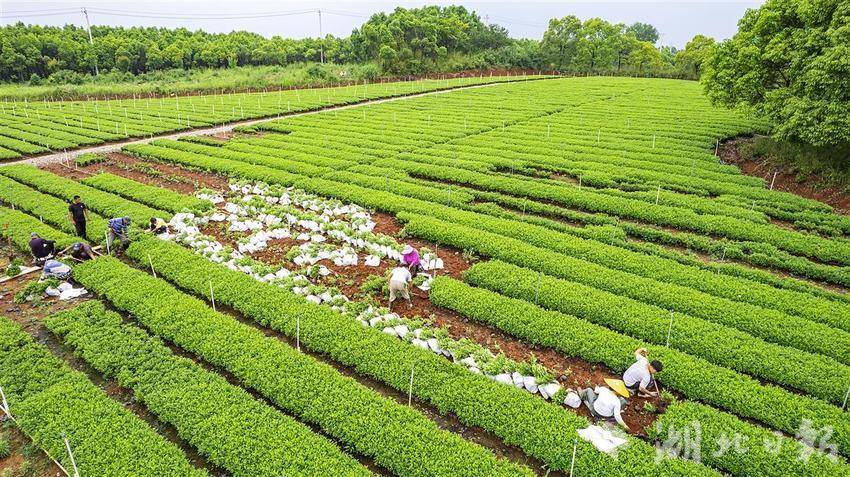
790, 60
414, 40
405, 41
596, 45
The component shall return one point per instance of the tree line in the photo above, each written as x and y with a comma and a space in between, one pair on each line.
404, 42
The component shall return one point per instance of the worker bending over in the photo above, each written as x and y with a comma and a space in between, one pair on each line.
603, 403
639, 378
158, 226
119, 228
81, 251
41, 249
399, 281
410, 257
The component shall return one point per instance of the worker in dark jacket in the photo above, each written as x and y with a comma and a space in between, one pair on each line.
41, 249
79, 214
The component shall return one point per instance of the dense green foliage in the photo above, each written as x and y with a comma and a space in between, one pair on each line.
789, 62
403, 42
48, 398
237, 432
397, 437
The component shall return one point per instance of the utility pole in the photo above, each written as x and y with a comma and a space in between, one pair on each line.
321, 40
91, 40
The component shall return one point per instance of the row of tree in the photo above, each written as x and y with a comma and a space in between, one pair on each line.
406, 41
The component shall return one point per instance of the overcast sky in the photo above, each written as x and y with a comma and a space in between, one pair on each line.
677, 21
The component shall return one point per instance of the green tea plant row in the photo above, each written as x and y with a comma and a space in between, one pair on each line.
71, 124
737, 289
540, 429
47, 398
757, 253
740, 448
608, 230
380, 198
397, 437
235, 431
17, 226
104, 203
47, 208
769, 325
813, 374
694, 377
392, 184
570, 196
156, 197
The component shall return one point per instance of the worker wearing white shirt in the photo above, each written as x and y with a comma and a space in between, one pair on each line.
399, 280
639, 377
603, 403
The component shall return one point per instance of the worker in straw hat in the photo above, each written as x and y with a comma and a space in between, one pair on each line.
604, 403
410, 257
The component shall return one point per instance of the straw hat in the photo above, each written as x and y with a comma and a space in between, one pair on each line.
617, 385
407, 249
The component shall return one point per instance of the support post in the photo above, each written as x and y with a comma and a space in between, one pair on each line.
774, 179
573, 459
410, 386
5, 404
669, 329
150, 261
71, 455
212, 296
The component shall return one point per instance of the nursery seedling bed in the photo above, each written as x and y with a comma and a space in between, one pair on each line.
570, 371
445, 421
30, 316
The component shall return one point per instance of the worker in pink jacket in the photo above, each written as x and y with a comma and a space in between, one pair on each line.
411, 258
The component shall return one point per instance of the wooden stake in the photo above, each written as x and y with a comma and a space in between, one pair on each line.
106, 234
410, 386
843, 406
669, 329
5, 404
150, 261
658, 195
212, 296
573, 460
774, 179
71, 455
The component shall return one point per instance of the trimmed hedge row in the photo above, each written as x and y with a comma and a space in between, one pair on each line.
540, 429
656, 268
104, 203
694, 377
813, 374
47, 398
686, 219
397, 437
50, 209
17, 225
769, 325
758, 452
235, 431
156, 197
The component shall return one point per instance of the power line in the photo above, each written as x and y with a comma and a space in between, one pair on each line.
166, 16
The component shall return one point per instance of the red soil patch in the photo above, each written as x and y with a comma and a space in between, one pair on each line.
152, 173
786, 180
